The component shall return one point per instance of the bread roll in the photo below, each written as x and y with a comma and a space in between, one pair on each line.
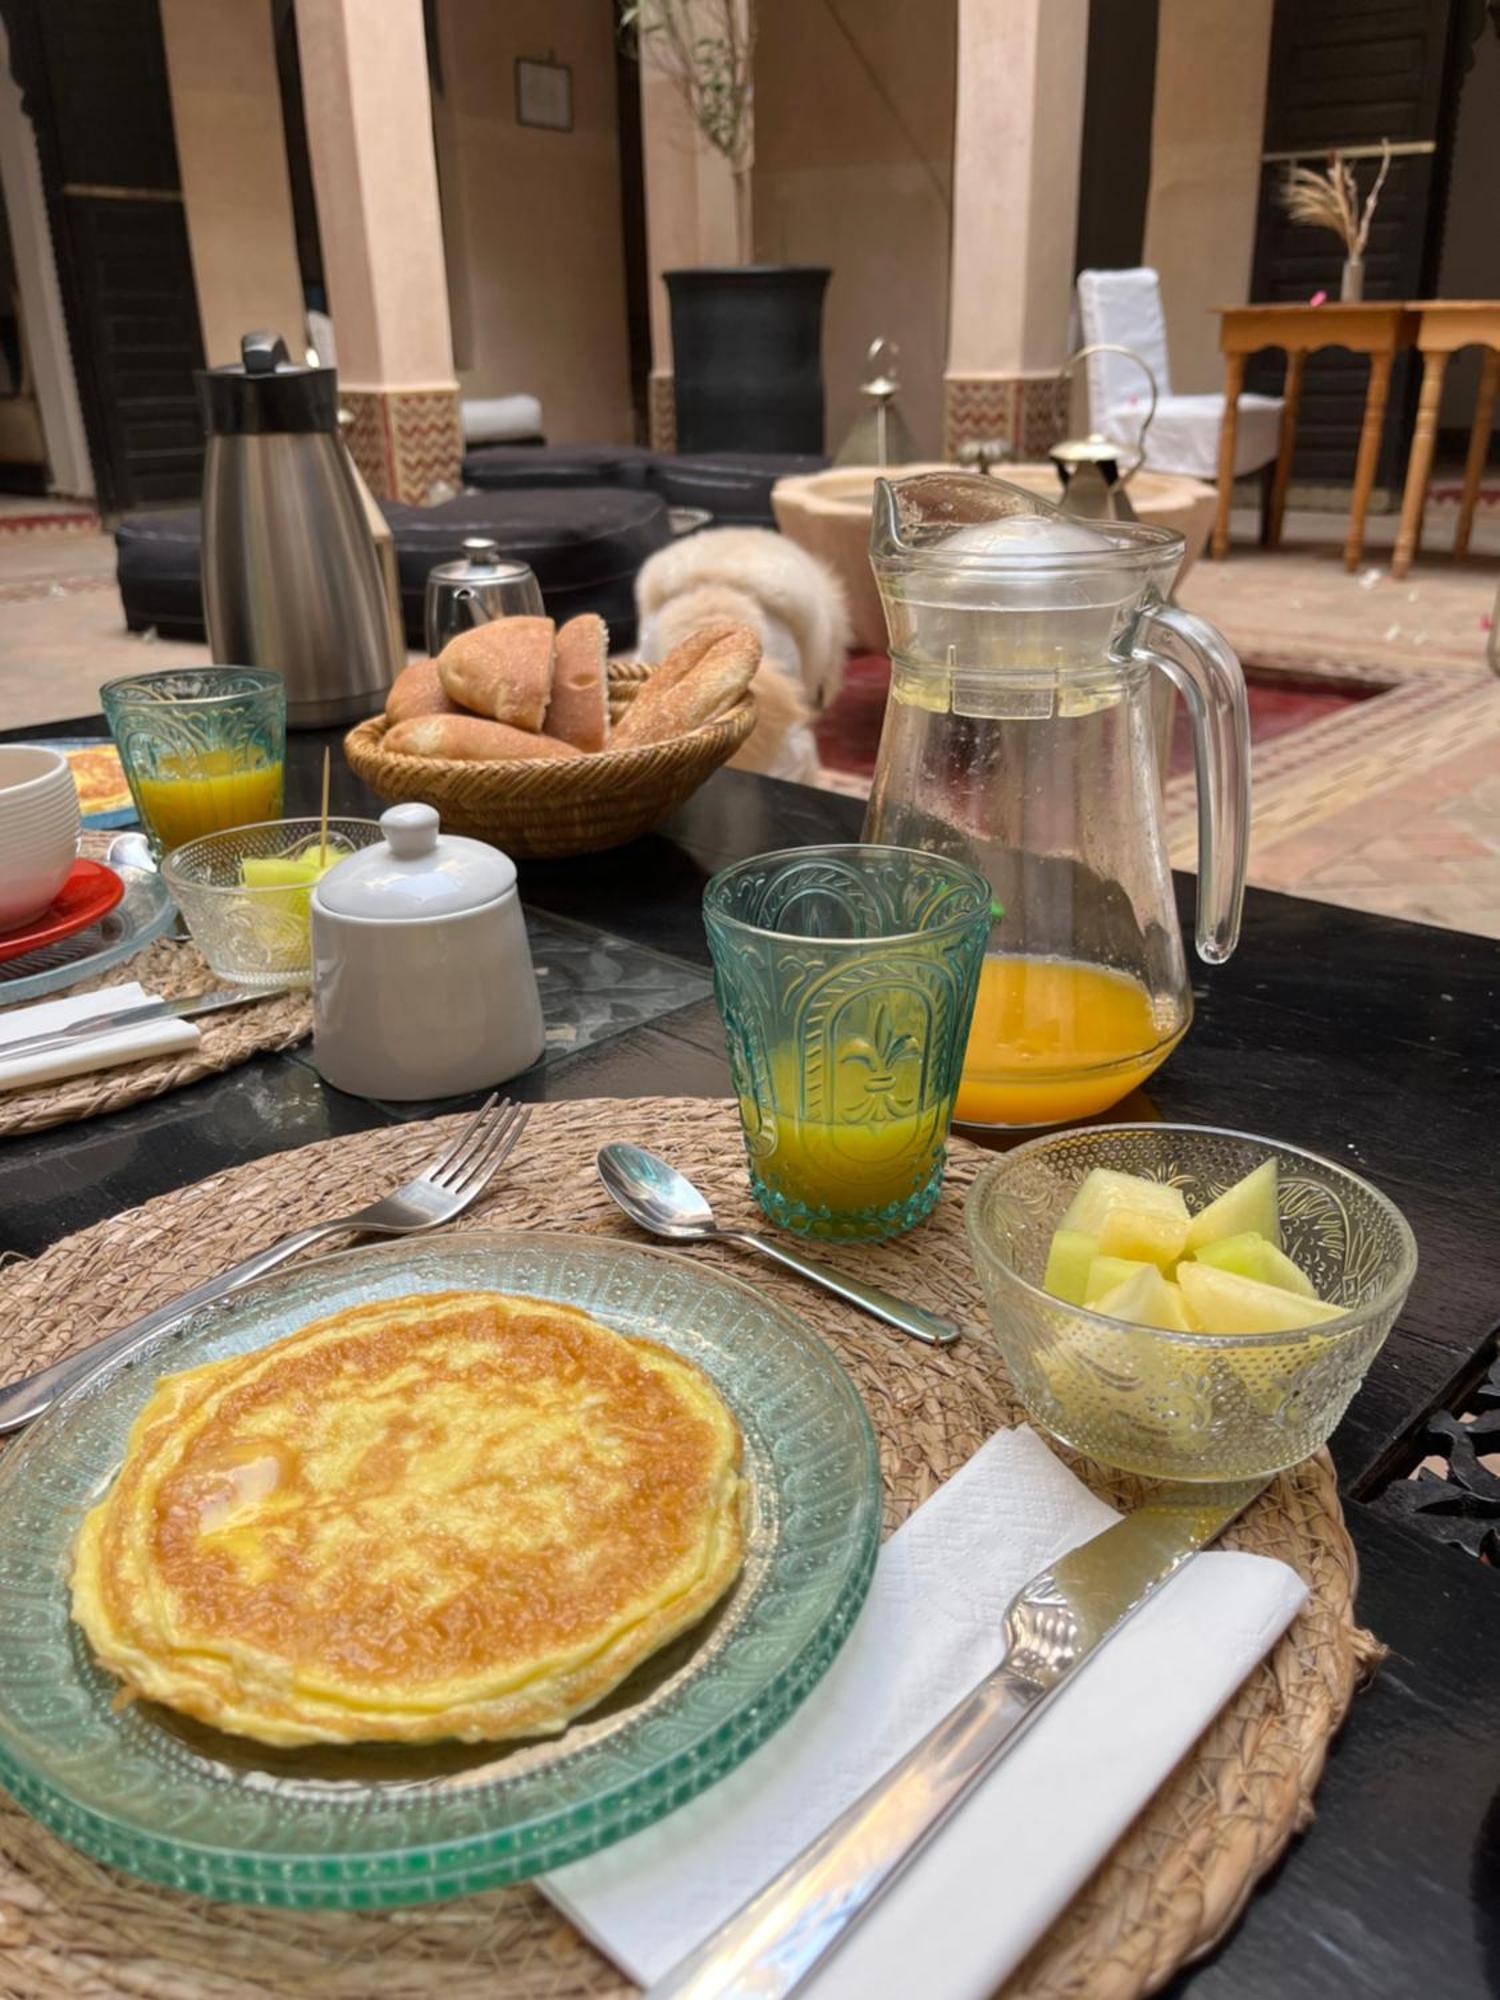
502, 670
416, 691
686, 654
579, 709
707, 686
470, 739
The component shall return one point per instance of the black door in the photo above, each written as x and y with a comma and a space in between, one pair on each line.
1351, 73
94, 78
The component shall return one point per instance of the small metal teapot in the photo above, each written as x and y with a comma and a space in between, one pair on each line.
481, 585
1089, 467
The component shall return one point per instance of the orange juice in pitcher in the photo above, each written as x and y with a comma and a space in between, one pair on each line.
1054, 1040
1020, 737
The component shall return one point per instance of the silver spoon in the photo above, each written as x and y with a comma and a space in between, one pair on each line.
657, 1197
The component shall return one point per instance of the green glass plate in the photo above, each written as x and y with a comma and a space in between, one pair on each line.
369, 1827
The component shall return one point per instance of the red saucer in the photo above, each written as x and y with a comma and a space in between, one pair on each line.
90, 892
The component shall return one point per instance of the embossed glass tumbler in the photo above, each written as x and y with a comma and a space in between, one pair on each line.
846, 978
204, 748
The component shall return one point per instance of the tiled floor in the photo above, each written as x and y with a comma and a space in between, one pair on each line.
61, 630
1297, 608
1392, 806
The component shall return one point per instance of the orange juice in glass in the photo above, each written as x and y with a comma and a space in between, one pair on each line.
204, 748
845, 978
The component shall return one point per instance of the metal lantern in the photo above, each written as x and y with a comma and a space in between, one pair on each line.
880, 435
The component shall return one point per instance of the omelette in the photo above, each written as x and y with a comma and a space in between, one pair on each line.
459, 1514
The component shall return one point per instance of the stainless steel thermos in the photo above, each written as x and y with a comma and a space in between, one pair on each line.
291, 577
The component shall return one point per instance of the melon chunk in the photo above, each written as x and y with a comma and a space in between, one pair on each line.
1147, 1299
1224, 1302
1107, 1272
1250, 1204
1145, 1221
1068, 1263
278, 871
1249, 1255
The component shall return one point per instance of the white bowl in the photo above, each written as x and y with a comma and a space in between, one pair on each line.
38, 830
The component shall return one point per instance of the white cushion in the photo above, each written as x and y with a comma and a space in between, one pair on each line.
501, 419
1123, 307
1184, 434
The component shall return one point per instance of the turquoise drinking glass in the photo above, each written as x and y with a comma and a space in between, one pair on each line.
204, 748
846, 979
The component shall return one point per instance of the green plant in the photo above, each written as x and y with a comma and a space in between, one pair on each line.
707, 47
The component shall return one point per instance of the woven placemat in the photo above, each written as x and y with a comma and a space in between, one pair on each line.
171, 969
1169, 1889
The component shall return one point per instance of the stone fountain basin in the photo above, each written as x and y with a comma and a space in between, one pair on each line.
828, 514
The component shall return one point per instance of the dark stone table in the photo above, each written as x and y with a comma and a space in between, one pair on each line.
1374, 1041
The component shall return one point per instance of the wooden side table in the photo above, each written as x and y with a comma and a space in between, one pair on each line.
1378, 328
1443, 326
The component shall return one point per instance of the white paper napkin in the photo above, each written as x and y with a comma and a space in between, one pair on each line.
995, 1877
165, 1037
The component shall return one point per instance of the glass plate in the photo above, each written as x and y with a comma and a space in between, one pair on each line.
143, 913
369, 1827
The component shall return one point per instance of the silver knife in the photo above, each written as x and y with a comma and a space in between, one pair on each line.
773, 1944
132, 1017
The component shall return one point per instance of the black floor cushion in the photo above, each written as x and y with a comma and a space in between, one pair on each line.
584, 543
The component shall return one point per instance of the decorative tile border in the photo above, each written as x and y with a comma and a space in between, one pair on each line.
405, 441
662, 410
1029, 412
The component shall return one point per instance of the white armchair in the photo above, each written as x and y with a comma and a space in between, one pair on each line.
1125, 307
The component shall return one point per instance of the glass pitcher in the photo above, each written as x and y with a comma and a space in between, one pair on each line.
1018, 737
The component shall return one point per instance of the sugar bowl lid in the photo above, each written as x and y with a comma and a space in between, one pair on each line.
415, 872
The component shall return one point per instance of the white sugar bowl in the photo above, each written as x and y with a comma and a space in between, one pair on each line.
422, 978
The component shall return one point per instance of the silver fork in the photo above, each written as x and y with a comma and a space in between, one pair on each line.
445, 1188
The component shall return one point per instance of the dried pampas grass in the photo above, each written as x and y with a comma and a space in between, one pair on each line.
1330, 200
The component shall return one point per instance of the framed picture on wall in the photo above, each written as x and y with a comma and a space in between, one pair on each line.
544, 94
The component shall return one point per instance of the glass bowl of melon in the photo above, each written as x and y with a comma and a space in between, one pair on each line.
1183, 1302
246, 893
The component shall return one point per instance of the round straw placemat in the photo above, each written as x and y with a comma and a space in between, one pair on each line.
170, 969
1170, 1888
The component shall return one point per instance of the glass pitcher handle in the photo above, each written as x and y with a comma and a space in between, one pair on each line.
1202, 666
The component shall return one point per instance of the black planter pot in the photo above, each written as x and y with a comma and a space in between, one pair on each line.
747, 359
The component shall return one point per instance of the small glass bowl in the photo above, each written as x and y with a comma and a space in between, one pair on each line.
254, 936
1187, 1405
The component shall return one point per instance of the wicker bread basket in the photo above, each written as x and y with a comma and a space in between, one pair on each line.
542, 809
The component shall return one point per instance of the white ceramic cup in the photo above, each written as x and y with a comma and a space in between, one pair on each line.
38, 830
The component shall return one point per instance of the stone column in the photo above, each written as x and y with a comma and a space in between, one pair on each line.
41, 308
237, 196
369, 132
690, 217
1017, 139
1209, 113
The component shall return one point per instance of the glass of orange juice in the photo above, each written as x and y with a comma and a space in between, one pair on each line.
846, 980
204, 748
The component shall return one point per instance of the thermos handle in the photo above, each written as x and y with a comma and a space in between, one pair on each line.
262, 353
1201, 665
